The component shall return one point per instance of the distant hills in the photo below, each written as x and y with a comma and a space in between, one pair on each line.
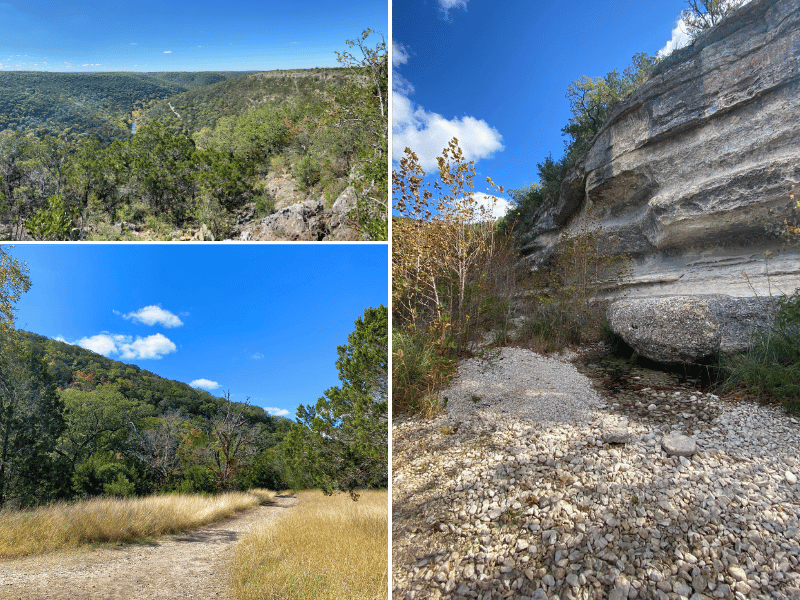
104, 105
73, 366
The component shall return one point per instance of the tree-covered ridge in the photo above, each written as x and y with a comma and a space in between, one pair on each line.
95, 104
203, 106
71, 366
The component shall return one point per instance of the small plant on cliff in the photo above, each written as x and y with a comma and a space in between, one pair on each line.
701, 15
567, 307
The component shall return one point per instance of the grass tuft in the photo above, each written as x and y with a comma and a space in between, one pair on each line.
326, 548
68, 525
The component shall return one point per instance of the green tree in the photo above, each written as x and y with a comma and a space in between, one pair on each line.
592, 99
342, 442
163, 166
358, 111
701, 15
30, 422
97, 420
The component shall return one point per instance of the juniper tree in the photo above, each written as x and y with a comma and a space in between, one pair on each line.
342, 442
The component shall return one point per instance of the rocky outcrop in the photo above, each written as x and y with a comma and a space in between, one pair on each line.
306, 221
689, 170
680, 329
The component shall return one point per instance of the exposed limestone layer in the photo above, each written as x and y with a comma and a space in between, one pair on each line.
691, 167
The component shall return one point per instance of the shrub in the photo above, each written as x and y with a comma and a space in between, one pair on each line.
771, 368
419, 372
567, 308
265, 205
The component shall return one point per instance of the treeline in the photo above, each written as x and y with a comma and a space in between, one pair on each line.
169, 180
74, 424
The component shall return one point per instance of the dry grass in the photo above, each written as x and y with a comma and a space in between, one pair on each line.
58, 526
328, 547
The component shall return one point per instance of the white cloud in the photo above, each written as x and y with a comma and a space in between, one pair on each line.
428, 133
680, 38
204, 384
128, 348
400, 85
498, 206
153, 346
276, 412
154, 315
399, 54
167, 51
101, 343
257, 356
446, 5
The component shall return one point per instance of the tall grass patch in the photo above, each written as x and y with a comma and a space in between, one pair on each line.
771, 367
326, 548
62, 525
419, 371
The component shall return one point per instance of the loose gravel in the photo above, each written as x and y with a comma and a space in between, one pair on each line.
534, 483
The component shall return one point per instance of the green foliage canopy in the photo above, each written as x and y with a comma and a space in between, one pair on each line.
342, 442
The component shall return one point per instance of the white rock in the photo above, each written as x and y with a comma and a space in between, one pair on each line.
677, 444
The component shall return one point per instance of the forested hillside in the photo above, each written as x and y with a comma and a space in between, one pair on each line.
202, 106
204, 149
75, 424
99, 105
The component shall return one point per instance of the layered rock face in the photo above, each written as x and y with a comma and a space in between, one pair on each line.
692, 168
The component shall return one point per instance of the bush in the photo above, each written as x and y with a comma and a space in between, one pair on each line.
307, 172
771, 368
196, 479
419, 372
265, 205
567, 307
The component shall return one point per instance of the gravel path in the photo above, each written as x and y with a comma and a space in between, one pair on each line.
521, 489
191, 565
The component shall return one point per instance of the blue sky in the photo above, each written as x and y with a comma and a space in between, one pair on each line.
179, 35
495, 74
261, 320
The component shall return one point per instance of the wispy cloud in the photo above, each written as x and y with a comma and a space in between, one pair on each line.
276, 412
257, 356
153, 315
127, 347
446, 5
399, 54
204, 384
167, 51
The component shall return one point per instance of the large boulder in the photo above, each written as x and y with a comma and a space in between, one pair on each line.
667, 330
680, 329
691, 171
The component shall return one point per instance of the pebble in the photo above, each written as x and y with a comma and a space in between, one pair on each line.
535, 501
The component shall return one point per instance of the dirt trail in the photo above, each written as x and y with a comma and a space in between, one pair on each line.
191, 565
